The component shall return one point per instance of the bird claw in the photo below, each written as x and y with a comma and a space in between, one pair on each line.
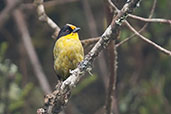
89, 71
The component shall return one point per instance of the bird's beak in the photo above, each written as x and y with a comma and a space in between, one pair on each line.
76, 30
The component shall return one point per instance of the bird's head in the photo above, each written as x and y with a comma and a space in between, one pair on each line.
68, 29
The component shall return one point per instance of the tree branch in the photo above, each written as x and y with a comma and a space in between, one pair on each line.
44, 18
145, 25
55, 101
153, 20
90, 18
26, 39
148, 41
89, 41
110, 104
142, 37
112, 81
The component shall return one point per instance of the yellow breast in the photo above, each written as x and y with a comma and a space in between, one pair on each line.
68, 52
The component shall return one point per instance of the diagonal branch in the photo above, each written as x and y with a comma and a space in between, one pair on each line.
44, 18
145, 25
142, 37
55, 101
153, 20
148, 41
90, 18
26, 39
149, 20
90, 41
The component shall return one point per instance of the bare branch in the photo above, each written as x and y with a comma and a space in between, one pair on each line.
89, 41
113, 5
145, 25
153, 20
112, 80
111, 105
6, 12
31, 51
90, 18
149, 20
55, 101
44, 18
148, 41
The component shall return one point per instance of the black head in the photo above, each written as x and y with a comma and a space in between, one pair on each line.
67, 29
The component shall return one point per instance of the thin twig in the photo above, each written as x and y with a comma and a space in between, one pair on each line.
153, 20
89, 41
145, 25
26, 38
149, 20
44, 18
113, 5
148, 41
90, 18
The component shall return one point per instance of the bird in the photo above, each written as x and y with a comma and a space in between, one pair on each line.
68, 51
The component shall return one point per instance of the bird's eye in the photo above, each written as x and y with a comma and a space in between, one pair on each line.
67, 31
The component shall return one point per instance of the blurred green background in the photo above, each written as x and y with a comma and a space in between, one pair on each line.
144, 73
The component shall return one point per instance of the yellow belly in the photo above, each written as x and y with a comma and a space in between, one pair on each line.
67, 54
